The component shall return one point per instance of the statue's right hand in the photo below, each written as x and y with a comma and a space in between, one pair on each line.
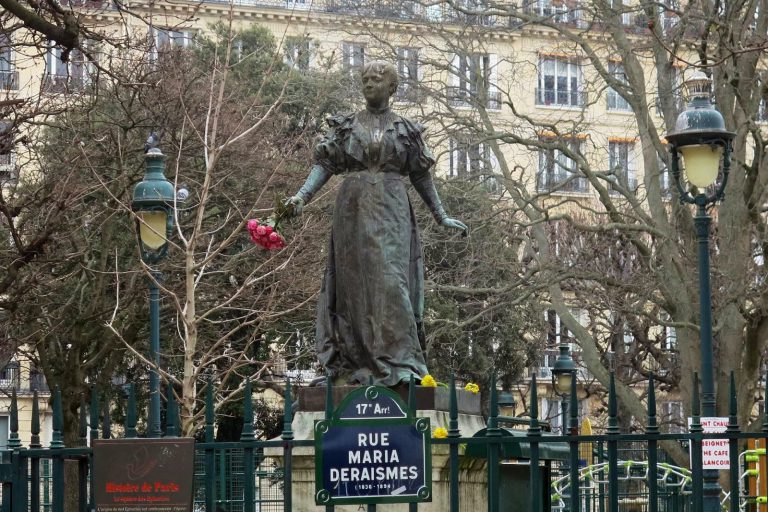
297, 203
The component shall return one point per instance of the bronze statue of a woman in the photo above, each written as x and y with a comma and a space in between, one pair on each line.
369, 315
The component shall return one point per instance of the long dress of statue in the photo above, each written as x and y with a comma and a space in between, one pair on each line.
369, 316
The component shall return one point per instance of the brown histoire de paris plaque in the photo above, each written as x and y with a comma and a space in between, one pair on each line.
143, 475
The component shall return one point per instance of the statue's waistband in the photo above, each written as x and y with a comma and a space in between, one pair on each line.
374, 176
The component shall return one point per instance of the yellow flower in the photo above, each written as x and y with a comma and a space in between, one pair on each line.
429, 381
440, 433
472, 388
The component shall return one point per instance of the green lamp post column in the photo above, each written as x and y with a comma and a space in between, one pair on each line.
702, 140
563, 376
153, 200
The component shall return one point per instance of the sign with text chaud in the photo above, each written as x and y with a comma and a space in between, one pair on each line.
372, 450
143, 475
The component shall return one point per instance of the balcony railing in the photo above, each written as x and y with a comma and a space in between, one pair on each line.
559, 14
9, 80
551, 183
64, 83
36, 382
560, 98
461, 97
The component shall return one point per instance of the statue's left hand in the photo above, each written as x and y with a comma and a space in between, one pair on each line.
455, 224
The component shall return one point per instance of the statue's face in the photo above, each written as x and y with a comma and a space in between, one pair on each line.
376, 87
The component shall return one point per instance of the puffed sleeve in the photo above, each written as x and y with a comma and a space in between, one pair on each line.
420, 158
329, 151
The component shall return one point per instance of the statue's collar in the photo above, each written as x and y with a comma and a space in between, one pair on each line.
377, 111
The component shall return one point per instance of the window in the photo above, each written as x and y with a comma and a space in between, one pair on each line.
621, 162
9, 78
298, 4
409, 73
615, 101
297, 53
70, 76
8, 171
557, 332
164, 39
558, 11
558, 171
4, 431
627, 338
626, 13
560, 83
669, 334
551, 409
474, 162
672, 420
10, 376
473, 79
353, 57
666, 183
668, 15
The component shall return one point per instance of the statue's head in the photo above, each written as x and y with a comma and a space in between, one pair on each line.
385, 71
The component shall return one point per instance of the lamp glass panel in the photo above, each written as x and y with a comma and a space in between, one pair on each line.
152, 226
702, 163
563, 383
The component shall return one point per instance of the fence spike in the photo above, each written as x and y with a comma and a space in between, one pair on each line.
613, 420
412, 394
94, 413
453, 414
247, 432
733, 420
106, 424
370, 380
130, 414
493, 416
534, 427
651, 424
171, 413
287, 413
14, 442
35, 427
329, 395
57, 437
209, 416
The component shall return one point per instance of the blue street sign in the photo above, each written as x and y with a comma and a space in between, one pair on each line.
372, 450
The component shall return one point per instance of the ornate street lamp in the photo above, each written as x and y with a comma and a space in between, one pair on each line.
563, 374
507, 404
153, 200
705, 145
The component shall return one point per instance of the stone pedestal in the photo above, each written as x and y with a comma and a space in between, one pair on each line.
432, 403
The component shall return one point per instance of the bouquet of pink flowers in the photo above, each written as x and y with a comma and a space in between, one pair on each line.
264, 232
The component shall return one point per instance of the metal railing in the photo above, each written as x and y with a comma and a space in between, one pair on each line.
559, 183
608, 472
464, 97
560, 97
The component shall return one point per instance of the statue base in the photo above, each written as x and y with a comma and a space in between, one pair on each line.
432, 403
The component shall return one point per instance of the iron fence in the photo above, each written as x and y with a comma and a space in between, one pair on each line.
609, 472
